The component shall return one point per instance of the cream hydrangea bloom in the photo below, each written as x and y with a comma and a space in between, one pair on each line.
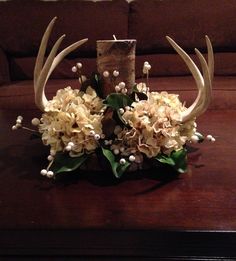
70, 117
156, 125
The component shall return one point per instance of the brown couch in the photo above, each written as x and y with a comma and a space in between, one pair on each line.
21, 29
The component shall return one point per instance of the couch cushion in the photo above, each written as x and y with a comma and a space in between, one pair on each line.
20, 95
186, 21
173, 65
22, 68
162, 65
4, 68
23, 23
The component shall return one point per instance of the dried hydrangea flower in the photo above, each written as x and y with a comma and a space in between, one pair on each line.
70, 117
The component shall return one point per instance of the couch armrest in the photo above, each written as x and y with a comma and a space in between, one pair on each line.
4, 68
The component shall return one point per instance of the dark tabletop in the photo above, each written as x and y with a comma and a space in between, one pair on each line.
97, 214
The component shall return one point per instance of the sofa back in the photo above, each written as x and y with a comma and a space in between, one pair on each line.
187, 22
23, 23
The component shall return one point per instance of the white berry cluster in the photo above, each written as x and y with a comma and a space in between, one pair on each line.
18, 124
106, 74
146, 67
47, 173
77, 69
198, 138
121, 87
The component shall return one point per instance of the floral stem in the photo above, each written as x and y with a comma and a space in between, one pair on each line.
26, 128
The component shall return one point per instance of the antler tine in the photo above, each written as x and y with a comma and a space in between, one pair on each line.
64, 52
210, 57
204, 97
203, 82
40, 98
42, 72
42, 49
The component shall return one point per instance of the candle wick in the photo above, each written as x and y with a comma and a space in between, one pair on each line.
114, 37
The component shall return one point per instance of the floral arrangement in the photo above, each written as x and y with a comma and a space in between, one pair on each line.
126, 128
130, 127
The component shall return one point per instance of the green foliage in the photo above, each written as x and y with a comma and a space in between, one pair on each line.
64, 163
117, 168
35, 135
108, 123
177, 160
118, 100
95, 82
136, 93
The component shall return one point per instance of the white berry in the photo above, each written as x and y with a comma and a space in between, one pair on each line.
213, 139
43, 172
121, 111
20, 117
194, 139
79, 65
97, 137
74, 69
92, 133
117, 88
106, 74
68, 148
124, 91
71, 144
14, 127
132, 158
106, 142
122, 149
116, 151
147, 67
50, 158
122, 161
122, 85
209, 137
18, 121
50, 174
35, 121
115, 73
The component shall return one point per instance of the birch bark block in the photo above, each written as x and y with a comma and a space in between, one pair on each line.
116, 55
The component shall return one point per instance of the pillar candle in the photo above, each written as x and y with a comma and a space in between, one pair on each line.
116, 55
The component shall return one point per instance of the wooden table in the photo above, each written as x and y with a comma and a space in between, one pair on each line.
136, 218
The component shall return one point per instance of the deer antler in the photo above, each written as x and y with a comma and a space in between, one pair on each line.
203, 81
43, 72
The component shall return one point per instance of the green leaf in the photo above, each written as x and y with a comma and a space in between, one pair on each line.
118, 100
165, 159
136, 93
95, 82
134, 88
64, 163
117, 168
108, 123
35, 135
177, 160
180, 159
